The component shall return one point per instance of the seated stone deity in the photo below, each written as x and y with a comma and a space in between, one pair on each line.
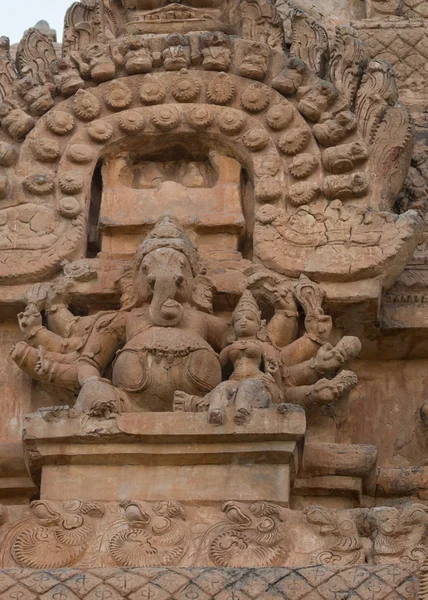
255, 380
165, 349
261, 378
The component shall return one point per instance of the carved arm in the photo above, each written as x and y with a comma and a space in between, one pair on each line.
101, 346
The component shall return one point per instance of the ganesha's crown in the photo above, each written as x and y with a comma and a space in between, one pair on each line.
168, 233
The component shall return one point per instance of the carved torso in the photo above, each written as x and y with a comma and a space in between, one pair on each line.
157, 361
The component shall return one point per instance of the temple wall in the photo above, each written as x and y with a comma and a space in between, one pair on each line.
213, 302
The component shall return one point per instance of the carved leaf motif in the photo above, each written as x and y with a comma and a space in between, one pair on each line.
81, 27
392, 149
8, 74
377, 91
35, 55
349, 57
39, 548
309, 42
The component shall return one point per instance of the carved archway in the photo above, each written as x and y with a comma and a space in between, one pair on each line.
323, 175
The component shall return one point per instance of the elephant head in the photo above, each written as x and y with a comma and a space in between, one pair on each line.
167, 264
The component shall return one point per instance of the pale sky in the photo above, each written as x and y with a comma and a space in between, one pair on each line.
18, 15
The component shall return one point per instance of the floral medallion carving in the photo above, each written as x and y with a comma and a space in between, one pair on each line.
256, 139
70, 182
131, 121
80, 153
100, 131
45, 149
303, 165
294, 141
69, 207
39, 185
166, 117
60, 122
118, 96
8, 154
279, 116
86, 106
151, 91
185, 87
231, 121
221, 89
200, 117
255, 97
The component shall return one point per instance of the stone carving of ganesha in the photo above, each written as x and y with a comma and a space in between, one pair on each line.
168, 351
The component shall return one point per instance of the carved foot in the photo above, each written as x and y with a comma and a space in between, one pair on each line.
97, 398
216, 416
183, 402
242, 416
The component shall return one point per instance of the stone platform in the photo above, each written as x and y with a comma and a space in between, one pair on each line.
363, 582
179, 457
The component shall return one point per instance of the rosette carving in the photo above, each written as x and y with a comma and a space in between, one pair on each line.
69, 207
294, 141
100, 131
279, 116
80, 153
71, 182
256, 138
200, 117
118, 96
86, 106
45, 149
303, 192
221, 89
39, 185
60, 122
231, 121
303, 165
185, 87
151, 91
166, 118
131, 121
8, 154
255, 97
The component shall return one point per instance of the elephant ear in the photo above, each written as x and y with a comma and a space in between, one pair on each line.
203, 293
127, 287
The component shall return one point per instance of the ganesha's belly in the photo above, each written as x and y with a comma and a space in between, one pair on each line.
157, 362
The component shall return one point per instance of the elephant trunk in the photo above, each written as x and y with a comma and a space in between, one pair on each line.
165, 311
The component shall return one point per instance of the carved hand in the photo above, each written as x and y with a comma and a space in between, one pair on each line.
318, 326
284, 299
328, 358
29, 320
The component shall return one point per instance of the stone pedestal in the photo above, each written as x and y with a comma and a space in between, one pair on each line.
168, 456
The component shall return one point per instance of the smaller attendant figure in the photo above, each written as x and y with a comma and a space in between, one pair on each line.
268, 365
255, 381
215, 51
255, 62
138, 58
176, 55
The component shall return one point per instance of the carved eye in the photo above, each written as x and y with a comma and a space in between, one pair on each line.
179, 279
